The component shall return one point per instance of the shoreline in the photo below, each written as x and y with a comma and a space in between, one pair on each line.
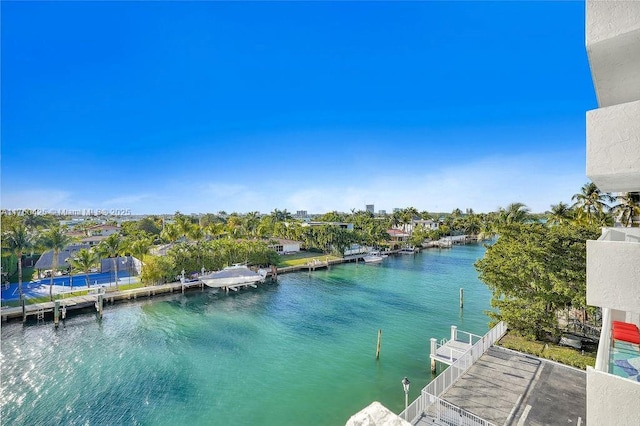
44, 311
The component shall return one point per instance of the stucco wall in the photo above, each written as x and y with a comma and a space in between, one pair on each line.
611, 400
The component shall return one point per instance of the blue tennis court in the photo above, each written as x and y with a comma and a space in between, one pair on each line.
36, 288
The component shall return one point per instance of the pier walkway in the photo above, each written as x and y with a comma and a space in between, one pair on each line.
449, 351
39, 310
490, 385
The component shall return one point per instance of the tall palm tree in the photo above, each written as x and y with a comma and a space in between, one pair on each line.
84, 260
55, 239
592, 201
628, 207
112, 247
170, 233
139, 247
19, 240
514, 213
560, 213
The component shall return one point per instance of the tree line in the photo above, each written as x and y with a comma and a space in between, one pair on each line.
215, 240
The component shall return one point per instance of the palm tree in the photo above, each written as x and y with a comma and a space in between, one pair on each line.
55, 239
139, 247
514, 213
18, 240
84, 260
170, 233
592, 201
627, 208
112, 247
560, 213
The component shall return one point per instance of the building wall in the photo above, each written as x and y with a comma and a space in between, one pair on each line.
613, 164
611, 400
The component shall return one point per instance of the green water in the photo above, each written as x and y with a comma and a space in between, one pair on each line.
299, 352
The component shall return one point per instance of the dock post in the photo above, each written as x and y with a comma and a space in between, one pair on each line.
24, 310
56, 313
99, 305
461, 298
434, 348
454, 333
378, 346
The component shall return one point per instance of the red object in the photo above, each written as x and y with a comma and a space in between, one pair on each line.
619, 325
628, 336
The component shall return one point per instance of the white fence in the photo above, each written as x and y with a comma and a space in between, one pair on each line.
430, 394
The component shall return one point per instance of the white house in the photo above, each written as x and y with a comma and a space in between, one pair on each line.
284, 246
613, 164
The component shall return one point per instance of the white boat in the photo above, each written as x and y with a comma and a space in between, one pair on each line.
407, 250
234, 276
373, 257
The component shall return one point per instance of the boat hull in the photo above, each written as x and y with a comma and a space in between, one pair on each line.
233, 276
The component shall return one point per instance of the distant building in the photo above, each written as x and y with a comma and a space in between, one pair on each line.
104, 230
370, 208
382, 212
343, 225
284, 246
301, 213
396, 209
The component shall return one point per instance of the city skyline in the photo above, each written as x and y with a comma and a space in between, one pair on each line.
211, 106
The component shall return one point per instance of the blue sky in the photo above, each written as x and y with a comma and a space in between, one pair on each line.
317, 106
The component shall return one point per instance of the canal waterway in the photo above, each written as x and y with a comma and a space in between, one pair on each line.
301, 351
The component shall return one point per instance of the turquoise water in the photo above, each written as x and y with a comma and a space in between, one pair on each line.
298, 352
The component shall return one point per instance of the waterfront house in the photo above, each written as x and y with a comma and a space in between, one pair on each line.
613, 164
284, 246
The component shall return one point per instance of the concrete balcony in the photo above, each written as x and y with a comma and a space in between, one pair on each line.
612, 398
613, 46
613, 270
613, 147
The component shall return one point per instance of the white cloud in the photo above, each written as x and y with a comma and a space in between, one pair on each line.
484, 185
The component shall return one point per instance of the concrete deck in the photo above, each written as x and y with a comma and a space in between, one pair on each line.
510, 388
450, 351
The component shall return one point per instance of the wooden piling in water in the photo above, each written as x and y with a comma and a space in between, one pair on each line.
56, 313
461, 298
99, 305
378, 345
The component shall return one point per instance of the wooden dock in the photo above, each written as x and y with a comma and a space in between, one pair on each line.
40, 310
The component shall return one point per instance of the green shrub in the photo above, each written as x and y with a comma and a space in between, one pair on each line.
547, 350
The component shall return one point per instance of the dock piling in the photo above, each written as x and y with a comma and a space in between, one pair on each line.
99, 305
56, 313
378, 345
434, 348
461, 298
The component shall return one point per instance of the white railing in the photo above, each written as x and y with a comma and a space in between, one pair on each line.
464, 337
446, 351
449, 376
450, 414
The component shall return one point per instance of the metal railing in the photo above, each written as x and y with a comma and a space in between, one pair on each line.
431, 393
446, 351
450, 414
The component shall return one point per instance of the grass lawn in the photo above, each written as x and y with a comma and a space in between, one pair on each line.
562, 354
302, 258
